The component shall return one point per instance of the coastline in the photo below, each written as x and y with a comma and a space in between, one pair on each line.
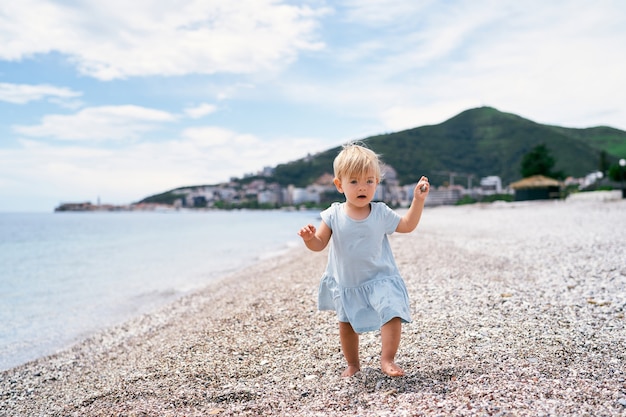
518, 309
66, 276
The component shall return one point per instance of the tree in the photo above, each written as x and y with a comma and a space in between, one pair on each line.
539, 161
616, 173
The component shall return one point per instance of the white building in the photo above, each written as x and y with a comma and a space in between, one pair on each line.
491, 185
303, 195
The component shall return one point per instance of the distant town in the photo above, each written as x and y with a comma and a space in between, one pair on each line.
259, 192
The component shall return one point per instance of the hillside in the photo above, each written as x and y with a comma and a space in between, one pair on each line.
478, 142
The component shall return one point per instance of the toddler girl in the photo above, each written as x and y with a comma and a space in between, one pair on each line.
362, 283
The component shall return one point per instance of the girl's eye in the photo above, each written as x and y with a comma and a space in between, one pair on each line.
370, 181
352, 181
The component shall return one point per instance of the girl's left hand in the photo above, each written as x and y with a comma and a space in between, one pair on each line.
423, 187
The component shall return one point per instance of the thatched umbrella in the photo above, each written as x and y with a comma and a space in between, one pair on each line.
536, 187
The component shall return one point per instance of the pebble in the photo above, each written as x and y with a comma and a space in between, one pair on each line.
518, 310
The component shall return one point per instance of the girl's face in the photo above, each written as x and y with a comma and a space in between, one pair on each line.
359, 190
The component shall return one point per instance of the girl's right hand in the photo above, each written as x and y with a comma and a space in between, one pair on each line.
307, 232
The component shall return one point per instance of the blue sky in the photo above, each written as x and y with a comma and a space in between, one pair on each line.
122, 99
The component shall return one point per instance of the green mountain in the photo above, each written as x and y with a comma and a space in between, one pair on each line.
477, 142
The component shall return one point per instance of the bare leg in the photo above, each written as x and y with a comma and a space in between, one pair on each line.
350, 347
390, 334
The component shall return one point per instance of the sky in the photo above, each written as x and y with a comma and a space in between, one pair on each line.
116, 100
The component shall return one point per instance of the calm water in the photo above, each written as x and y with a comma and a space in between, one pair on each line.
64, 276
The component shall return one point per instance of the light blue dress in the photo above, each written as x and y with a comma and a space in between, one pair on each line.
362, 283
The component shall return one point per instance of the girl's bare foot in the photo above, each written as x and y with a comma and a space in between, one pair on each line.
350, 370
391, 369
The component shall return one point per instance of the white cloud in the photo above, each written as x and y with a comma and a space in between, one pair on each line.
201, 110
127, 174
25, 93
99, 123
550, 62
399, 118
383, 12
121, 38
208, 136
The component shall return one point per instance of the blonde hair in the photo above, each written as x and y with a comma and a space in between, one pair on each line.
356, 160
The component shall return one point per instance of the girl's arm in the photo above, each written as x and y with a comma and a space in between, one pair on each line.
409, 221
315, 239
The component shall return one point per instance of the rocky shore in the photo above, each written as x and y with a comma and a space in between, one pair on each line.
518, 310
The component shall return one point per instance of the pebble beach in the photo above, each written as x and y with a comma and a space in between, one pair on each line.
518, 310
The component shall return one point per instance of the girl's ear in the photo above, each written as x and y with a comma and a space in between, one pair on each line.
337, 183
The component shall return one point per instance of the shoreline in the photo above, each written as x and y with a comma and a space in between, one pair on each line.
518, 309
57, 291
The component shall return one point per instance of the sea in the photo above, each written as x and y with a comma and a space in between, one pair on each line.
65, 276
